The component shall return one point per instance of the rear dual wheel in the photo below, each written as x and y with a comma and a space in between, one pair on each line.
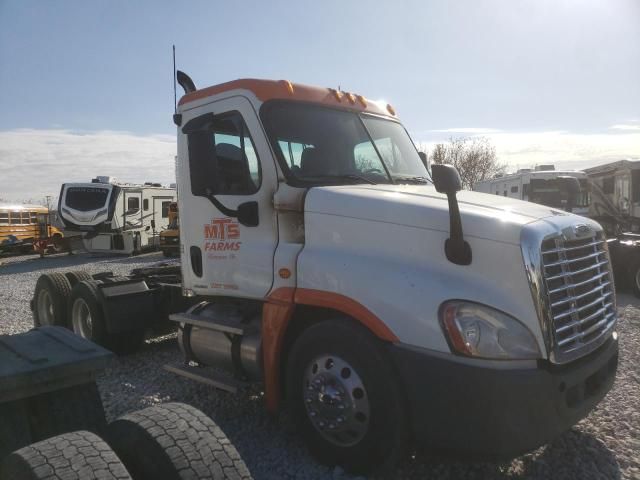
345, 397
87, 318
50, 300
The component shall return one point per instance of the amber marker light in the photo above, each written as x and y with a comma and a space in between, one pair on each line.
284, 273
351, 98
336, 94
449, 322
391, 110
362, 100
289, 86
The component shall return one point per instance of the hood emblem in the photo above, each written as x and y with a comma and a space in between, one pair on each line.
582, 230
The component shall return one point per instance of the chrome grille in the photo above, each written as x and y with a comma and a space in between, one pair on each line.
580, 294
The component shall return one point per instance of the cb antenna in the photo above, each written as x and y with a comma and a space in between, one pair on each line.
175, 97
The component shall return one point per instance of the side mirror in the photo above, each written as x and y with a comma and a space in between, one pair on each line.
423, 157
446, 178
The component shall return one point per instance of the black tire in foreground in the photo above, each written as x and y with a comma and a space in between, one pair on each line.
87, 319
72, 456
50, 300
174, 441
345, 398
76, 276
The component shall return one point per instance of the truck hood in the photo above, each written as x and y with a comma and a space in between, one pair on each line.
486, 216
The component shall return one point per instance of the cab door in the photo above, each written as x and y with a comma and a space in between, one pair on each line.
226, 180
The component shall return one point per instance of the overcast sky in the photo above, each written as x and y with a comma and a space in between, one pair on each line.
86, 86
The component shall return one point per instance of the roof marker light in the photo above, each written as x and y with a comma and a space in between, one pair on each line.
336, 93
391, 110
362, 100
351, 98
289, 86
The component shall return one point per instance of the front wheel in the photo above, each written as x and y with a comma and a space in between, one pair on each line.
345, 397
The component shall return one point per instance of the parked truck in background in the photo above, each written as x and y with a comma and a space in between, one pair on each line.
112, 216
382, 305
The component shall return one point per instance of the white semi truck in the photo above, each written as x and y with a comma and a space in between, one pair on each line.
325, 262
543, 184
112, 216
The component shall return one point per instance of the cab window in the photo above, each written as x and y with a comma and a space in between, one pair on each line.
222, 157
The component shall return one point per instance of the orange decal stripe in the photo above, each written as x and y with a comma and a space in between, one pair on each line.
320, 298
276, 315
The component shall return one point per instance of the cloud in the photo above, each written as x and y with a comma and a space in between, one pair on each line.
635, 128
468, 130
562, 148
35, 163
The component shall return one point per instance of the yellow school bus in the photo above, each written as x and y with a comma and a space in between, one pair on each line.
21, 226
170, 238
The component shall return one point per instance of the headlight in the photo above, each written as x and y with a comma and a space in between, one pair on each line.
476, 330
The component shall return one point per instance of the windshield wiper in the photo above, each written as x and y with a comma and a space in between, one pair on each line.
346, 176
411, 179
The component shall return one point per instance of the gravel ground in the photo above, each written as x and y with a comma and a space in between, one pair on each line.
604, 445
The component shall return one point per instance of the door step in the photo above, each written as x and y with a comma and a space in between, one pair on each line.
218, 324
208, 376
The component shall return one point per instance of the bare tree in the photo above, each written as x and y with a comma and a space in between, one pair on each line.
474, 157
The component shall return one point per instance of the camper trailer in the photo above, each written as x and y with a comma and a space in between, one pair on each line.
115, 217
619, 183
544, 185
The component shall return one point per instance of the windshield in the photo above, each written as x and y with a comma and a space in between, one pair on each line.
551, 192
320, 145
86, 199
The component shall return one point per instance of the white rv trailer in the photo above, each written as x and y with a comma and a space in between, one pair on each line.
542, 185
619, 183
115, 217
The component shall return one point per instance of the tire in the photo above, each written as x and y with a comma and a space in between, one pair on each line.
87, 319
174, 441
76, 276
50, 300
355, 416
77, 455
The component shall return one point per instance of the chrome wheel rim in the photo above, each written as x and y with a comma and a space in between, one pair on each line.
336, 400
81, 318
45, 308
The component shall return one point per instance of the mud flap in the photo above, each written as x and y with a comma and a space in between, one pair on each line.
128, 305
